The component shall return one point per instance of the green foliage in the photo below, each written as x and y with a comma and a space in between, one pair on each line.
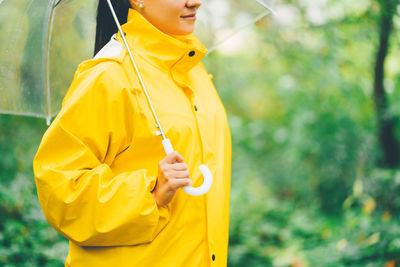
25, 237
306, 189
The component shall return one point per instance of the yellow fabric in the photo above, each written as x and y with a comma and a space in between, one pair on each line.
98, 161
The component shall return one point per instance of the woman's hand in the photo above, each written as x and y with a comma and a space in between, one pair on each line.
172, 174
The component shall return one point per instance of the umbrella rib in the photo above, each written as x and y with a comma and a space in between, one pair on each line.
266, 6
47, 62
56, 4
239, 29
28, 114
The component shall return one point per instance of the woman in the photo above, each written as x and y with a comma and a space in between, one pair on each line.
102, 176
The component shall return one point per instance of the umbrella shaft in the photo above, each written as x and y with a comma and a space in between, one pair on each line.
136, 69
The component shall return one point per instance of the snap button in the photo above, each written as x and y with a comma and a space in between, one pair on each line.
195, 108
213, 257
191, 53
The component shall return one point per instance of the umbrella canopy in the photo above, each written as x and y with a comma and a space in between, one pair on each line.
42, 42
218, 20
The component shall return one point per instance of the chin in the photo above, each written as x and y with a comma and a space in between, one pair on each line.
184, 30
187, 31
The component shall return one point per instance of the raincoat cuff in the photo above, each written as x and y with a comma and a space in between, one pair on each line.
153, 186
163, 211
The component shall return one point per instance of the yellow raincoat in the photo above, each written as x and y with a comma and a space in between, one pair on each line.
98, 161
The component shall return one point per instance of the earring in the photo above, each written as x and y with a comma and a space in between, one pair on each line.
141, 4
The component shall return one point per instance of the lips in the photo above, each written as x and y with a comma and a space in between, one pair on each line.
189, 16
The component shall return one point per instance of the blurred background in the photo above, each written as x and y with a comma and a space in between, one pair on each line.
313, 102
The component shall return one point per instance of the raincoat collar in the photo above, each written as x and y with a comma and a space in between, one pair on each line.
174, 53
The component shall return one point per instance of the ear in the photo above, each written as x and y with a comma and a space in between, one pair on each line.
135, 3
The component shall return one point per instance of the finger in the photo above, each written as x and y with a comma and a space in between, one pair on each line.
182, 174
177, 183
173, 157
177, 174
179, 166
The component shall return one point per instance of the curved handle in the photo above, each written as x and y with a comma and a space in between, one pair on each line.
201, 190
194, 191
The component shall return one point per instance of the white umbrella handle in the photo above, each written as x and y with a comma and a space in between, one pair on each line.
194, 191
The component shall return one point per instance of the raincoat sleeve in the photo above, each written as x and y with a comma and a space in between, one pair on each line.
80, 195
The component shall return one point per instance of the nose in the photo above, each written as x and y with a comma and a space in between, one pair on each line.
193, 3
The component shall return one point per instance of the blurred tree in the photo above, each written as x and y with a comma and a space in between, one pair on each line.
386, 122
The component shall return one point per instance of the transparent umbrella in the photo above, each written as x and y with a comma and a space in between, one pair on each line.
43, 41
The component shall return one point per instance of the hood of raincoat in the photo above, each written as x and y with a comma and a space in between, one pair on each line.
98, 161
